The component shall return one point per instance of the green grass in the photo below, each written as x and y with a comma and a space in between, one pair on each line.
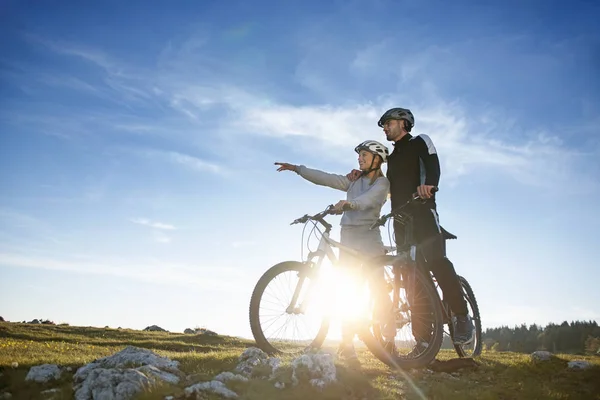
500, 376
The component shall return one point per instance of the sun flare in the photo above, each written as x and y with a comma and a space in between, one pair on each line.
343, 292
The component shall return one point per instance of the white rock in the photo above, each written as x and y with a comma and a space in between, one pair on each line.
541, 355
124, 375
212, 386
51, 393
5, 396
253, 357
253, 352
319, 369
274, 363
43, 373
230, 376
318, 383
102, 383
579, 364
14, 364
280, 385
151, 370
128, 357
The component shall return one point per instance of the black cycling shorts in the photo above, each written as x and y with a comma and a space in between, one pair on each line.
427, 233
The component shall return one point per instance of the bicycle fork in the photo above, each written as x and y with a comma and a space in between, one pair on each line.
308, 272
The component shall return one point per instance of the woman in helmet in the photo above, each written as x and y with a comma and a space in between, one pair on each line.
364, 199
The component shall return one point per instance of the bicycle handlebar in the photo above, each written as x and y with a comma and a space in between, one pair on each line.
331, 210
317, 217
383, 219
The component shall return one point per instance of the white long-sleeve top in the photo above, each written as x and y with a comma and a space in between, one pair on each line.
367, 199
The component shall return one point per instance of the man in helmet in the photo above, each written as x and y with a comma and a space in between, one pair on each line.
365, 197
413, 166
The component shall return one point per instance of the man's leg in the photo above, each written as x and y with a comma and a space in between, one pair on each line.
434, 254
444, 273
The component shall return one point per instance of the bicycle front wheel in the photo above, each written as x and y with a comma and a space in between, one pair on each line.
280, 324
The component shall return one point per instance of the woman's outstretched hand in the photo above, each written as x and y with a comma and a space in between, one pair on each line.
286, 167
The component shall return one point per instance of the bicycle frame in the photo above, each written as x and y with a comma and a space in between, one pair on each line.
325, 250
405, 258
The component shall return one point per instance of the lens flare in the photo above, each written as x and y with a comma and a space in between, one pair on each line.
343, 292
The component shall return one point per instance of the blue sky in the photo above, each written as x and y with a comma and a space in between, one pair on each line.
137, 142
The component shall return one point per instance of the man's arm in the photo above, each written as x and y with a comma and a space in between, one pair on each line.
430, 165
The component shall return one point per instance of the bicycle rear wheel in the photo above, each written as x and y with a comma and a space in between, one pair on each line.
418, 311
279, 326
472, 349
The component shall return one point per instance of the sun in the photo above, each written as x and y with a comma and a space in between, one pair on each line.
343, 293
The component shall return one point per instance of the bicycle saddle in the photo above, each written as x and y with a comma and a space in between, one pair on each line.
447, 235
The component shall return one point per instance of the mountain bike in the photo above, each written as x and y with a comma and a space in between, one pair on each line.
293, 319
405, 304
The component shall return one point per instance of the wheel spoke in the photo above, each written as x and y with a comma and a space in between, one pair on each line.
277, 329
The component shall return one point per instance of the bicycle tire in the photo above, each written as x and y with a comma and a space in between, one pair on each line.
372, 338
270, 346
470, 298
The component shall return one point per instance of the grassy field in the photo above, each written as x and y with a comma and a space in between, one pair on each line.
500, 376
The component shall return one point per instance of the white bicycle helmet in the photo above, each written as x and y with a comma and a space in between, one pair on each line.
374, 147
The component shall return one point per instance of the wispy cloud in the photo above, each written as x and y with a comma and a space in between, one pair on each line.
16, 226
155, 271
158, 229
191, 162
69, 82
91, 55
17, 219
152, 224
466, 145
243, 243
123, 84
161, 237
468, 141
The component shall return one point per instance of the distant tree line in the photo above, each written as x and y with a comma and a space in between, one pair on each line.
575, 337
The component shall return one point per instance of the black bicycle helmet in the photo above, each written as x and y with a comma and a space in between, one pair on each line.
398, 113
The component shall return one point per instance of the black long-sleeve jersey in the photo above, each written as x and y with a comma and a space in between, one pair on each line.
414, 161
